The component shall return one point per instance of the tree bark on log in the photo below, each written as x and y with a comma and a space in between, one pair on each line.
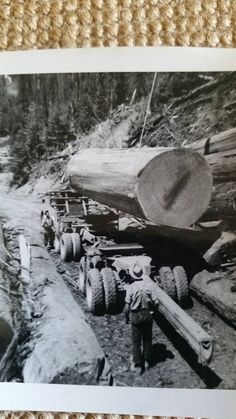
220, 153
216, 291
6, 321
223, 200
223, 166
221, 142
223, 204
164, 185
64, 347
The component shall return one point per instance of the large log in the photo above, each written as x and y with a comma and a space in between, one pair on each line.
223, 166
221, 142
220, 153
164, 185
63, 347
215, 290
223, 200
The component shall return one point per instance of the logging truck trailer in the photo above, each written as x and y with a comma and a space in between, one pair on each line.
73, 213
104, 267
104, 275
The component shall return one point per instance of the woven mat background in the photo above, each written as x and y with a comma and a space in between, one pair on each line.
30, 24
27, 24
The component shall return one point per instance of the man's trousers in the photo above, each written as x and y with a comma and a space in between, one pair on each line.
141, 329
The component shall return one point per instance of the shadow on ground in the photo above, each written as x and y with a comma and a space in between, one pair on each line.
209, 377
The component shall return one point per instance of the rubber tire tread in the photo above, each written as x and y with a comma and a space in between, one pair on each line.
168, 282
96, 306
66, 247
76, 242
84, 268
181, 283
110, 290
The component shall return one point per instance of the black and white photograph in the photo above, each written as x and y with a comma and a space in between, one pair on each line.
118, 229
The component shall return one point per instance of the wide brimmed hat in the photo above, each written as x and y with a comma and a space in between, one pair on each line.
136, 271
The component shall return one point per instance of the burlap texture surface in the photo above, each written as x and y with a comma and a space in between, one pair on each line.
37, 24
27, 24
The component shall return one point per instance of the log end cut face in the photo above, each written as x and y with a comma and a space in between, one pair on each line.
175, 188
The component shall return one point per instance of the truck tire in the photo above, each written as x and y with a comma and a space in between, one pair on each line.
95, 292
181, 283
83, 274
57, 245
76, 242
66, 247
110, 290
167, 281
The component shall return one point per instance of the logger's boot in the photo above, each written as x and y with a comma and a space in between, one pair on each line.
147, 365
136, 368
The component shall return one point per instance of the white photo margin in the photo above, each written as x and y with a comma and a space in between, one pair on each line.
122, 59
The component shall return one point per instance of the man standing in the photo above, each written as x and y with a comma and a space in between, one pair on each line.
49, 230
43, 209
140, 303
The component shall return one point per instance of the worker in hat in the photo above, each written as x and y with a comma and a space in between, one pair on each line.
140, 303
49, 230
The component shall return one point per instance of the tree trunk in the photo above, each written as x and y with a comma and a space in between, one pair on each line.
220, 153
223, 203
164, 185
221, 142
223, 166
223, 200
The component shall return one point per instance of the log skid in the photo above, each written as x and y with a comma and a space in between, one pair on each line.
215, 290
64, 348
196, 337
164, 185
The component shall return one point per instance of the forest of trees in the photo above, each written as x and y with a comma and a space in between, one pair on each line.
42, 113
